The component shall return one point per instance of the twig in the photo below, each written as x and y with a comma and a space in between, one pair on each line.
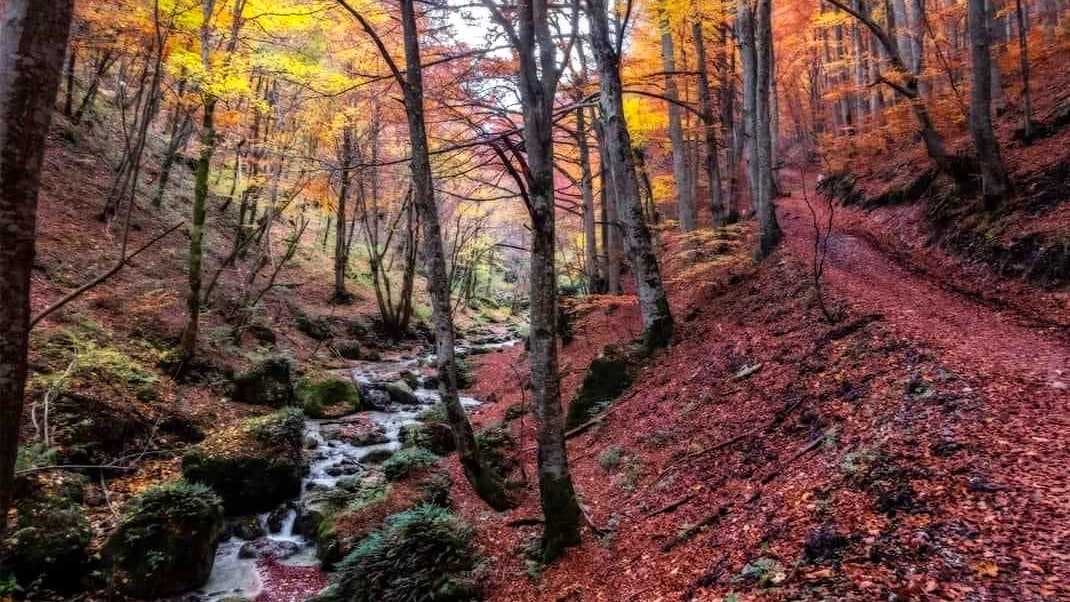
672, 506
67, 466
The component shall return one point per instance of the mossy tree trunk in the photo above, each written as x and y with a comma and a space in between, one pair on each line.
196, 235
33, 42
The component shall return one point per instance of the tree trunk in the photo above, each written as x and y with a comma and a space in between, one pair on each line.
196, 234
1023, 65
748, 61
769, 229
728, 102
68, 99
610, 224
685, 199
33, 42
590, 244
653, 304
713, 171
994, 182
484, 483
341, 258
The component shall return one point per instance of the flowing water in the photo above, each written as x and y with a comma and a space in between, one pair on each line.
330, 459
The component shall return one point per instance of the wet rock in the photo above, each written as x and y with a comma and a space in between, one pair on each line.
430, 382
327, 395
377, 456
307, 522
376, 399
278, 517
166, 542
366, 436
411, 379
331, 431
343, 470
269, 548
400, 392
254, 465
248, 528
269, 382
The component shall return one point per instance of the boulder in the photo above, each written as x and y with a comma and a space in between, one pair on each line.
166, 542
278, 516
329, 395
377, 456
268, 382
374, 398
254, 465
269, 549
609, 375
368, 435
247, 528
434, 436
49, 542
400, 392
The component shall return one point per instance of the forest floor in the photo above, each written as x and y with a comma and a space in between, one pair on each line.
913, 451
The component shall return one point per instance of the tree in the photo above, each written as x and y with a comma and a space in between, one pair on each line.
482, 479
341, 249
653, 304
994, 182
685, 199
33, 42
769, 231
709, 127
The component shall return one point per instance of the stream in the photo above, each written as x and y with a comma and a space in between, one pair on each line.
280, 564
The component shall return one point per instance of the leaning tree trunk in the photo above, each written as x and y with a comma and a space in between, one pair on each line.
685, 199
653, 304
33, 42
485, 483
769, 229
994, 182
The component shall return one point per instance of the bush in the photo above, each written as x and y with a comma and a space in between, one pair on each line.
408, 462
166, 542
420, 555
317, 396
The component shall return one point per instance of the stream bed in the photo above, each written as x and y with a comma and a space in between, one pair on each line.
270, 557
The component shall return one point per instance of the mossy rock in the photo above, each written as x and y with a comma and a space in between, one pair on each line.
424, 553
49, 543
609, 375
269, 382
437, 437
253, 465
400, 392
515, 411
330, 395
408, 462
166, 542
318, 328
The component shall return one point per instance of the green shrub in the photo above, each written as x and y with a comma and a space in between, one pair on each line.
407, 462
465, 375
420, 555
611, 457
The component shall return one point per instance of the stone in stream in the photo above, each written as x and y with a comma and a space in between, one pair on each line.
365, 435
278, 516
375, 398
253, 465
269, 548
401, 393
166, 542
247, 528
430, 382
377, 456
268, 382
434, 436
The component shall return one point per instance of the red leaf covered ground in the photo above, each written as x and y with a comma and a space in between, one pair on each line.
914, 451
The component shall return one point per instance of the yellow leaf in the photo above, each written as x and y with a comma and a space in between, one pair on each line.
986, 569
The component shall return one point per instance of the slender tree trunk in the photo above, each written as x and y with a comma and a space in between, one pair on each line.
196, 235
731, 146
590, 245
996, 77
33, 41
485, 484
68, 99
1023, 65
713, 171
748, 62
994, 182
610, 224
685, 199
341, 258
178, 140
653, 304
770, 230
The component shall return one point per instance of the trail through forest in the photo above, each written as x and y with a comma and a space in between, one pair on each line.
1020, 445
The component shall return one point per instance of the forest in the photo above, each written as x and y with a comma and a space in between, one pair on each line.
521, 300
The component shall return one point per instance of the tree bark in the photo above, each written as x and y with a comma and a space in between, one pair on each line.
341, 257
1023, 65
769, 229
610, 224
685, 200
33, 41
749, 63
713, 171
196, 235
994, 182
590, 243
653, 304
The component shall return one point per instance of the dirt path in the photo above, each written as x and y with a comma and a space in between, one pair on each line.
1022, 442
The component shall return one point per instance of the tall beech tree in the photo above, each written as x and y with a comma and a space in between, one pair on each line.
33, 42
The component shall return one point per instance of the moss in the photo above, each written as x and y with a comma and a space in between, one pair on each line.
320, 396
421, 554
609, 375
166, 542
562, 513
254, 465
49, 542
268, 382
408, 462
436, 437
515, 411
